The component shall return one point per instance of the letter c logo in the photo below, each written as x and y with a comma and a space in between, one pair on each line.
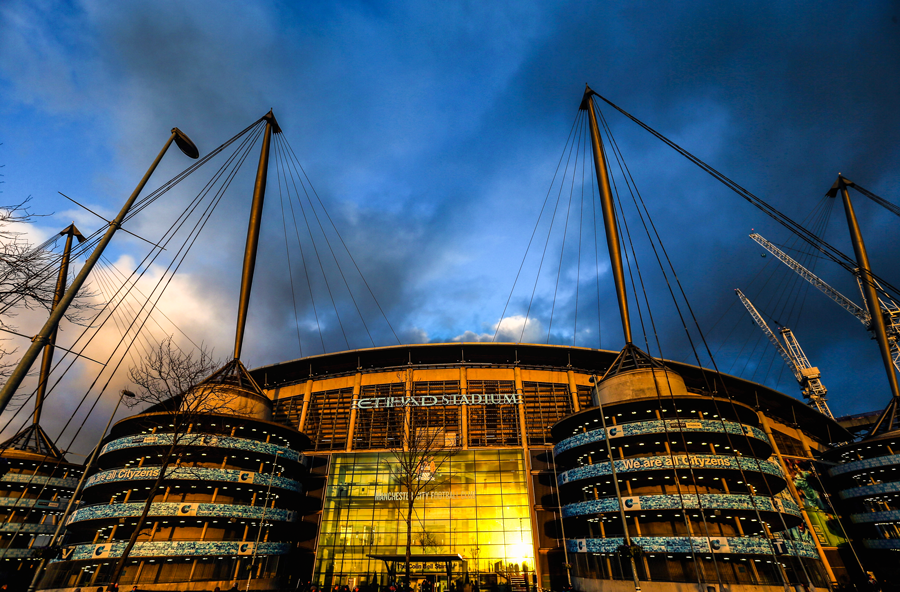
715, 544
613, 431
629, 503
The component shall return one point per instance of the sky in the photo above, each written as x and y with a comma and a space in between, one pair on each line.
431, 133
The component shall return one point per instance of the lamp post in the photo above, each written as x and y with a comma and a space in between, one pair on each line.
43, 338
77, 492
263, 520
615, 480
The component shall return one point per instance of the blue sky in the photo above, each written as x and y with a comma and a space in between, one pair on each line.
432, 132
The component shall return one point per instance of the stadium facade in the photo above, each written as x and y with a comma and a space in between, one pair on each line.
716, 472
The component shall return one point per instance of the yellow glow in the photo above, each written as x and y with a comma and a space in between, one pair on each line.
519, 552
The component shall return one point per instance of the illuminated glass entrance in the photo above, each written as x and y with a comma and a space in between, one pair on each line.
478, 509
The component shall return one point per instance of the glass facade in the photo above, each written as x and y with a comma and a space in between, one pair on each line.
478, 507
497, 502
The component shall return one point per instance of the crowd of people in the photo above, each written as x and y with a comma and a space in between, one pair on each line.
424, 585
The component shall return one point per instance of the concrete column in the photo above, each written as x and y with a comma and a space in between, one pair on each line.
768, 430
307, 395
351, 428
464, 409
407, 411
573, 390
523, 433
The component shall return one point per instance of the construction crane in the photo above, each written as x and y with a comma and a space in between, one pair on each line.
889, 309
807, 375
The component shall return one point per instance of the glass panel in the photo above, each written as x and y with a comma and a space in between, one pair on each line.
476, 507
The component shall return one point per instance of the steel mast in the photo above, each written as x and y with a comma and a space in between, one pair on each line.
259, 195
615, 260
871, 295
807, 375
70, 232
609, 214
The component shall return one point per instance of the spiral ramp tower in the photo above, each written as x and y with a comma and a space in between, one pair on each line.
36, 486
866, 482
226, 511
700, 500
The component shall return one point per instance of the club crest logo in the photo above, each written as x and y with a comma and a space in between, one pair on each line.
427, 469
245, 549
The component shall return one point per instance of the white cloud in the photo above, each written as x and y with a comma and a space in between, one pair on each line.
510, 331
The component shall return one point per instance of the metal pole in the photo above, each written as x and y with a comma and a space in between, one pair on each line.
76, 493
259, 195
612, 465
868, 284
609, 213
562, 521
42, 338
262, 521
47, 360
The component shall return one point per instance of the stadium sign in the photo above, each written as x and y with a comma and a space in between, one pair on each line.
436, 401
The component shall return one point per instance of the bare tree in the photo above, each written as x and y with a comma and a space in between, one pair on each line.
22, 267
420, 453
28, 275
171, 380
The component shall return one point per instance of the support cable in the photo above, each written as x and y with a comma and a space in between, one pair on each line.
716, 372
336, 263
536, 224
580, 228
635, 196
246, 144
49, 270
118, 274
819, 244
341, 238
562, 250
96, 400
879, 200
596, 257
312, 297
621, 215
546, 243
278, 169
319, 259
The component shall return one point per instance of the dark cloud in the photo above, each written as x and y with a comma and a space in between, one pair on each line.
432, 133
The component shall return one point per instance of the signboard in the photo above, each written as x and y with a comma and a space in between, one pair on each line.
435, 401
125, 475
396, 496
245, 548
656, 462
631, 503
823, 522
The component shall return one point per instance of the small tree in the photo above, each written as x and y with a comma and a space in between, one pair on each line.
419, 454
171, 380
